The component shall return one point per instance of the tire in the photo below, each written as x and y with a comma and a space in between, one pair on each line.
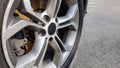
3, 4
4, 63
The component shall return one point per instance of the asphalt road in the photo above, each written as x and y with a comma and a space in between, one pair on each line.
100, 42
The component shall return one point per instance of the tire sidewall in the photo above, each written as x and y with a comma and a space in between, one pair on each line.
3, 5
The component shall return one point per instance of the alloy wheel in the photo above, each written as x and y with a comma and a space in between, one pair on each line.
44, 38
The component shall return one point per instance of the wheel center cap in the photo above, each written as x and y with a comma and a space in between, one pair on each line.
52, 29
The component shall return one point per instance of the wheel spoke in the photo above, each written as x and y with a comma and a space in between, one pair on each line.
70, 14
50, 65
53, 7
26, 8
63, 46
16, 25
73, 25
60, 43
36, 54
39, 62
58, 52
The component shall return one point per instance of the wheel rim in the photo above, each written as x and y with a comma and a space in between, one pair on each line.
47, 33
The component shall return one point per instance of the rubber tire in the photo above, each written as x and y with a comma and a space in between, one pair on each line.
3, 5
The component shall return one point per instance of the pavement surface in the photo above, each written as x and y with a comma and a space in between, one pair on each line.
100, 42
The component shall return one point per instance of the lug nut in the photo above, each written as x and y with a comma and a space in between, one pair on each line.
47, 18
42, 32
56, 20
50, 39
